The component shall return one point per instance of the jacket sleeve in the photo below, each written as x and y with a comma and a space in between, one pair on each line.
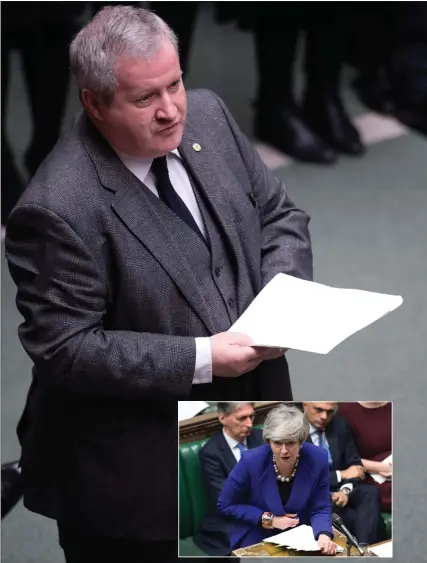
286, 243
213, 474
234, 500
321, 514
62, 295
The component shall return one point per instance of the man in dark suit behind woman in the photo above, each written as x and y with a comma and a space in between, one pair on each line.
217, 458
357, 503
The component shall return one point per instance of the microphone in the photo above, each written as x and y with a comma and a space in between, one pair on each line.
338, 522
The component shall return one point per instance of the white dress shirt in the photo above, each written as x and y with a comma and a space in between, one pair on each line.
316, 441
233, 445
141, 168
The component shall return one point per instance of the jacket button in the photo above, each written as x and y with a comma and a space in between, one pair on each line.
231, 302
217, 271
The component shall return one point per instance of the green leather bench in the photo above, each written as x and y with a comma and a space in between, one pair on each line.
193, 501
192, 497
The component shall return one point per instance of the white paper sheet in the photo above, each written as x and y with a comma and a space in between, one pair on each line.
379, 478
384, 550
300, 538
308, 316
188, 409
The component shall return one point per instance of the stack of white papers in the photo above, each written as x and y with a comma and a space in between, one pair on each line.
379, 478
188, 409
302, 315
300, 538
383, 550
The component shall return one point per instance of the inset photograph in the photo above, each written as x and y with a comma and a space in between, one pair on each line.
271, 479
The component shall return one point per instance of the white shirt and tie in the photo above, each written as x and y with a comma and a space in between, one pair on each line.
141, 168
236, 447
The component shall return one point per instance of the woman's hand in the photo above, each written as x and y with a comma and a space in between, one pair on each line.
327, 546
286, 521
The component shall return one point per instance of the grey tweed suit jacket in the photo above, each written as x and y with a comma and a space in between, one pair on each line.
111, 310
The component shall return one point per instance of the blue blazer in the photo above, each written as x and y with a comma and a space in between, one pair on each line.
251, 489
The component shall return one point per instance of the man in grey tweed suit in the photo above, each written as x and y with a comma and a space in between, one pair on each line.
126, 306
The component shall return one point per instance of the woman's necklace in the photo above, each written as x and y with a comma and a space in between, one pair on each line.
281, 477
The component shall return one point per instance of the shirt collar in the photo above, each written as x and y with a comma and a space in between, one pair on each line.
231, 441
139, 165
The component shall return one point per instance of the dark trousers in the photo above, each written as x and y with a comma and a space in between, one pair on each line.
278, 26
44, 55
362, 515
80, 548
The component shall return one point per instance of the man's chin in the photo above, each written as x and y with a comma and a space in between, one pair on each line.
172, 142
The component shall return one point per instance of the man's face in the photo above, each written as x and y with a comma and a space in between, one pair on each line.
147, 113
319, 415
238, 424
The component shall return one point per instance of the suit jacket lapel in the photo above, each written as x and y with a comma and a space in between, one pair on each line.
269, 488
141, 211
227, 454
204, 165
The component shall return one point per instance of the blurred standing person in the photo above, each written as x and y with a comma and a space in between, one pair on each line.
317, 128
41, 32
371, 423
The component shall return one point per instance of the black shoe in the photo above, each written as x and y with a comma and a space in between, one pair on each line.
11, 487
325, 114
285, 130
374, 91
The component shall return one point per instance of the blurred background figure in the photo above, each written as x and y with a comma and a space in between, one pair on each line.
41, 33
388, 47
371, 423
317, 127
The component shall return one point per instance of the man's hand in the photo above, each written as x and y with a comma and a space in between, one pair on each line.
339, 498
271, 353
327, 546
233, 354
286, 521
353, 472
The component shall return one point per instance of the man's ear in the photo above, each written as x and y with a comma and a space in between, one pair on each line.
91, 103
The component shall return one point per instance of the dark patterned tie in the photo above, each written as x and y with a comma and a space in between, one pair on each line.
169, 196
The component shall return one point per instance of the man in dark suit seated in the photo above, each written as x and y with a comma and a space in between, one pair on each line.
217, 459
357, 503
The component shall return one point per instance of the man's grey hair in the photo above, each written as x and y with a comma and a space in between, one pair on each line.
229, 408
286, 423
115, 31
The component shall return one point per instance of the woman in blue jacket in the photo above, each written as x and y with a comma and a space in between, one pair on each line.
280, 485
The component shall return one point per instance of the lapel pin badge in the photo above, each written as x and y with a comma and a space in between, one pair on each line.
197, 147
